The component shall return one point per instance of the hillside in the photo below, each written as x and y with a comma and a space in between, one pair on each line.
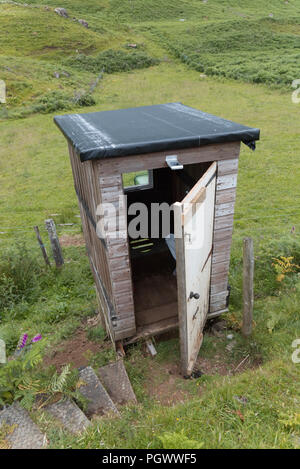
252, 42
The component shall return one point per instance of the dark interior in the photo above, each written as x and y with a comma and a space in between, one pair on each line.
153, 266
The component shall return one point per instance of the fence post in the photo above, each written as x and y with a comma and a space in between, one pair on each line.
248, 273
55, 244
43, 249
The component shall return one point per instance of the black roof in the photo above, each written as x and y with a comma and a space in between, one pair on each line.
148, 129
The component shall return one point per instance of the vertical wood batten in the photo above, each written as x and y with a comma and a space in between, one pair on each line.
222, 237
119, 268
88, 199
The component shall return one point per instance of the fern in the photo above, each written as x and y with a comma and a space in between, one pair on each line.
59, 382
21, 379
27, 399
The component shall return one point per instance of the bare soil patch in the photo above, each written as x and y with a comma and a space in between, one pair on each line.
74, 240
75, 350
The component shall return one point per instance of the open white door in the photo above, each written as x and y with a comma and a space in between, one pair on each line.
193, 219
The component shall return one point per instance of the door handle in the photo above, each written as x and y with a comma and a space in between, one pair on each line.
194, 295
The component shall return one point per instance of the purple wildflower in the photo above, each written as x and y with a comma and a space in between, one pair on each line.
36, 338
23, 341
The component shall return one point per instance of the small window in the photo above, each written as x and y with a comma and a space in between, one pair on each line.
138, 180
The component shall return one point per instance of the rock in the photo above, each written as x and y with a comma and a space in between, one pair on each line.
69, 414
24, 433
99, 401
61, 12
84, 23
220, 325
295, 439
231, 346
216, 332
115, 379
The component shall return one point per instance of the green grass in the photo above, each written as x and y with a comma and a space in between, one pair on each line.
25, 31
36, 299
237, 40
33, 150
44, 73
211, 419
257, 51
111, 61
234, 42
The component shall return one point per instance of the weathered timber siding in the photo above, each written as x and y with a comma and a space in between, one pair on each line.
88, 198
223, 227
116, 238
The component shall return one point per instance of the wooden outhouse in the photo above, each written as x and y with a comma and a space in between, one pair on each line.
151, 279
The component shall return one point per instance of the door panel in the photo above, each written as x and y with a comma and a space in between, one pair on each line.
194, 218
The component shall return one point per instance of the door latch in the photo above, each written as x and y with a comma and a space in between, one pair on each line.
194, 295
173, 162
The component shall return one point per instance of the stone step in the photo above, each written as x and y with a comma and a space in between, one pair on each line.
115, 379
69, 415
99, 402
24, 433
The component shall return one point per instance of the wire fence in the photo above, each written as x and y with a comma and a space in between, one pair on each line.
72, 226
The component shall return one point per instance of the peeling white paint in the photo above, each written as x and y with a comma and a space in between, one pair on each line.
98, 137
199, 114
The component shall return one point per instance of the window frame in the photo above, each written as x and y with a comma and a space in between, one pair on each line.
141, 187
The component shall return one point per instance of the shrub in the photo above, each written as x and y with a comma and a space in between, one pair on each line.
96, 334
50, 102
111, 61
19, 276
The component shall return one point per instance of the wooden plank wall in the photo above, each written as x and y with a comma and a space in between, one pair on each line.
116, 238
222, 236
88, 198
101, 181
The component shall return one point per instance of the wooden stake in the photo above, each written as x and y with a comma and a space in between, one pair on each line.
150, 347
55, 244
120, 348
248, 272
43, 249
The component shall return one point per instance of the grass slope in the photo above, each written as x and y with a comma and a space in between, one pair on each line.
259, 51
40, 69
247, 41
